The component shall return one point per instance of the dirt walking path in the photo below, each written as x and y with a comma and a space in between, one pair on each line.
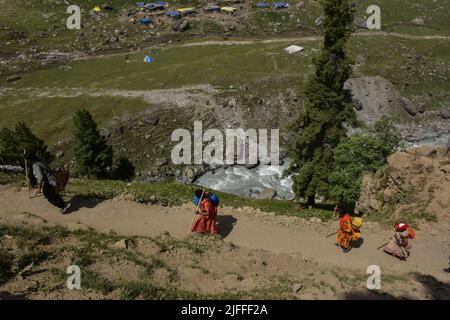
252, 230
179, 97
196, 43
308, 39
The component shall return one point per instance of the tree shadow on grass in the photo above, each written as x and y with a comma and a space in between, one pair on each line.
77, 203
225, 224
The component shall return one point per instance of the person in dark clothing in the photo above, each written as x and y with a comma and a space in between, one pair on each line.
46, 182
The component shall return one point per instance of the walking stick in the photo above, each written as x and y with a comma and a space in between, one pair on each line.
28, 180
334, 212
383, 245
195, 214
331, 234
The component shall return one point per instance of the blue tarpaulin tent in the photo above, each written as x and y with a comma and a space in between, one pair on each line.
212, 9
280, 5
148, 59
153, 6
262, 5
145, 21
173, 14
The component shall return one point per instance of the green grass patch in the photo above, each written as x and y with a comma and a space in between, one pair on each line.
34, 256
174, 67
11, 179
174, 194
414, 218
51, 118
30, 237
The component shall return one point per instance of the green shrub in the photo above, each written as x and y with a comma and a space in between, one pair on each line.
352, 159
124, 170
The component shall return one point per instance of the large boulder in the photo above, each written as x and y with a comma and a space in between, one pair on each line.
415, 181
300, 5
14, 78
445, 114
418, 21
373, 97
180, 25
319, 21
408, 106
268, 194
360, 22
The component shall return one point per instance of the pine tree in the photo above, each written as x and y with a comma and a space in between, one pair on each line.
14, 143
8, 147
26, 140
93, 155
320, 127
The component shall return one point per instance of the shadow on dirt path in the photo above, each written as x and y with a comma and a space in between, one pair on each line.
225, 224
77, 203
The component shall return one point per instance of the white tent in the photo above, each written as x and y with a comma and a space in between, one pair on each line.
293, 49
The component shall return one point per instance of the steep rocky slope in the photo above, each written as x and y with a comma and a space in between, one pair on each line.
414, 182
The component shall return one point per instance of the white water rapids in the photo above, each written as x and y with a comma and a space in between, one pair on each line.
240, 180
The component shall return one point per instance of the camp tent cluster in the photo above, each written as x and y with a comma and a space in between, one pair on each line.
181, 12
102, 8
158, 5
275, 5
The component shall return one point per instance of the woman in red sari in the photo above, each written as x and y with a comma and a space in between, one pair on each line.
205, 222
211, 226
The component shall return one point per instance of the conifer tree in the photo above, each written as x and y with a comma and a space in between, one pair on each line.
13, 143
93, 155
320, 126
8, 147
26, 140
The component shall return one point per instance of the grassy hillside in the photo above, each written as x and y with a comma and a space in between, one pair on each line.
148, 268
419, 68
174, 67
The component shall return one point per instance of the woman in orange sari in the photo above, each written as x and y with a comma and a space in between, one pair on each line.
345, 232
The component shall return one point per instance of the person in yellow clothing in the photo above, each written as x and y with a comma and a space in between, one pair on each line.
356, 225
